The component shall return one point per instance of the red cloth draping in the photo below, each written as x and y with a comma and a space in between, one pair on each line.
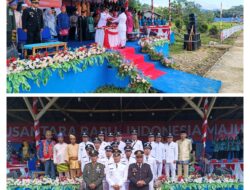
107, 32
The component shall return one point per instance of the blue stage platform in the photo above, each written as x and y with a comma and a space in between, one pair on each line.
97, 76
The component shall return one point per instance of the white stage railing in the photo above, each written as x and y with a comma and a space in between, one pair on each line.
226, 33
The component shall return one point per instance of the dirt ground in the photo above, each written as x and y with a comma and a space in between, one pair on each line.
198, 62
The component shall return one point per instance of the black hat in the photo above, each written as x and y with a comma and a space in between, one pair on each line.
183, 131
118, 134
147, 146
93, 153
170, 135
89, 146
134, 132
139, 153
128, 148
34, 1
97, 140
85, 134
101, 133
158, 135
116, 153
110, 135
128, 141
151, 134
115, 144
108, 148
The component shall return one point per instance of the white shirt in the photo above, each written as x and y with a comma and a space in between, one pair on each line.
117, 174
127, 161
159, 151
106, 162
18, 19
122, 19
152, 162
103, 20
121, 146
103, 145
171, 152
136, 145
153, 151
59, 152
81, 151
85, 160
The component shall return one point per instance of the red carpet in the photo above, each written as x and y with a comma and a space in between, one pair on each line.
148, 69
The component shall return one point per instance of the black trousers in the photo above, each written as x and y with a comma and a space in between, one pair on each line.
33, 37
9, 38
72, 33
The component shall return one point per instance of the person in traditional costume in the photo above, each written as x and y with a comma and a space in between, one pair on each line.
71, 157
46, 155
59, 156
99, 35
122, 28
50, 21
129, 22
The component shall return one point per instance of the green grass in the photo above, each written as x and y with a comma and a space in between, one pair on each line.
111, 89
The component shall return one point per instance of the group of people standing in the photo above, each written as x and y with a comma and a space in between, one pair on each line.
115, 160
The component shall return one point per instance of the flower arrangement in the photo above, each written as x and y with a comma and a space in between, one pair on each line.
42, 181
139, 84
147, 46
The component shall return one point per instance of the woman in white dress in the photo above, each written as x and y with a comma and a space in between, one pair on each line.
99, 34
122, 27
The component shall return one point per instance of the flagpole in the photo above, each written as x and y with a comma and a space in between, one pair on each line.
221, 19
204, 132
152, 11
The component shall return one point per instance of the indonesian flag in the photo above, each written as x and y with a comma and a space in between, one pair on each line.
205, 125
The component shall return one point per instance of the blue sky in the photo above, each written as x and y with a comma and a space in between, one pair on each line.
206, 4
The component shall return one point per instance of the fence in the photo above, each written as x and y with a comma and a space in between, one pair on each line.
226, 33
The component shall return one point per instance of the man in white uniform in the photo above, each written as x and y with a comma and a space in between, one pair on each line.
108, 159
149, 159
122, 144
171, 156
122, 27
151, 141
110, 138
82, 154
136, 144
97, 144
99, 34
101, 136
117, 173
159, 154
86, 159
127, 158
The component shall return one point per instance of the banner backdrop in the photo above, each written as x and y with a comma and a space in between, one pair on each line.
18, 132
47, 3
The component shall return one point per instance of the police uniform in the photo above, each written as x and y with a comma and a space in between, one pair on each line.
82, 154
101, 152
149, 159
86, 159
138, 172
128, 160
94, 173
171, 155
137, 144
117, 173
103, 143
105, 160
32, 21
121, 144
153, 145
159, 154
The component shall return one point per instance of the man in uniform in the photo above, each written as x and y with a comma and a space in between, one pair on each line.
101, 136
139, 173
117, 173
121, 144
128, 142
159, 153
115, 145
151, 141
93, 173
171, 156
82, 154
97, 143
108, 159
127, 158
184, 150
86, 159
32, 20
149, 159
110, 138
136, 144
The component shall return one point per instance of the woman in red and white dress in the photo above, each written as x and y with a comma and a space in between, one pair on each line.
122, 28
